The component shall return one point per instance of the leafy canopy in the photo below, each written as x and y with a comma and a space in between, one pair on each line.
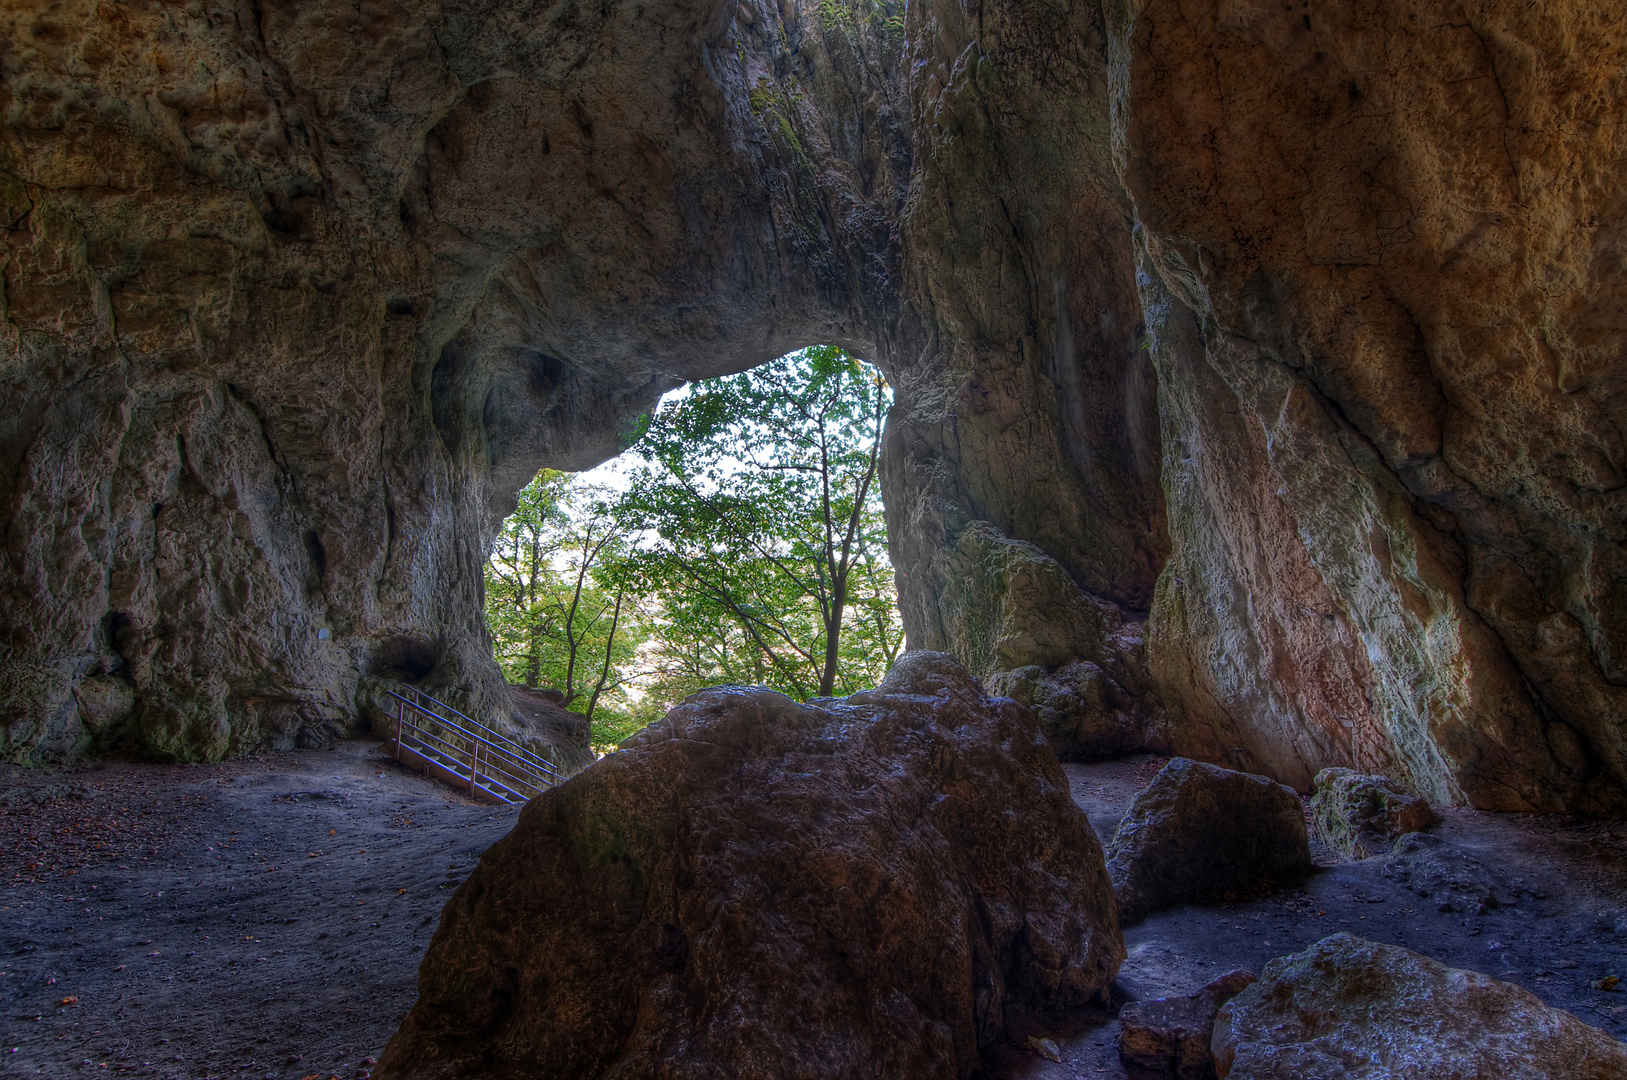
749, 547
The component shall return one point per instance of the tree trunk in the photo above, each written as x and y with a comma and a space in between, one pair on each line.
833, 630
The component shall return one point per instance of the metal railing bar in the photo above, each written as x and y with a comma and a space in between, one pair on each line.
492, 735
513, 748
507, 765
459, 755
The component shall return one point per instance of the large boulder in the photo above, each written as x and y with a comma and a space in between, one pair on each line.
1352, 1009
1360, 816
1200, 832
761, 888
1170, 1037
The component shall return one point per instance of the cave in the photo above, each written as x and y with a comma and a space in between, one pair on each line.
1255, 359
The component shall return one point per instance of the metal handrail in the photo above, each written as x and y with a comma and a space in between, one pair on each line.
512, 766
496, 739
469, 758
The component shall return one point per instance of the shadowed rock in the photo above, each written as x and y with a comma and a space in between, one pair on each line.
1454, 878
761, 888
1200, 832
1170, 1037
1360, 816
1351, 1009
1086, 713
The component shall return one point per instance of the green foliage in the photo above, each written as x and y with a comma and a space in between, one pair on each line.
749, 548
768, 534
558, 613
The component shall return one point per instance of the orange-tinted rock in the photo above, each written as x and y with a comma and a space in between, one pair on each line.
1384, 291
1170, 1037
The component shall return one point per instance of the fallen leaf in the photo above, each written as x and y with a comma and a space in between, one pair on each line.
1045, 1048
70, 1001
1609, 982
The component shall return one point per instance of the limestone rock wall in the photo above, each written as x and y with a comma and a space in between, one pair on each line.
1383, 251
298, 298
1266, 358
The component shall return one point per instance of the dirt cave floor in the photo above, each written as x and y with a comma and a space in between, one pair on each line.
265, 917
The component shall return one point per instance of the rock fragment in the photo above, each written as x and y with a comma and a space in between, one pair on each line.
1439, 870
1348, 1008
1199, 832
1171, 1037
1360, 816
1085, 712
760, 888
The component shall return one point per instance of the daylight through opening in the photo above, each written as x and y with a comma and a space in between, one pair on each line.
738, 539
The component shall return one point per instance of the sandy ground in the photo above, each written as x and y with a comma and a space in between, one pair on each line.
258, 918
265, 917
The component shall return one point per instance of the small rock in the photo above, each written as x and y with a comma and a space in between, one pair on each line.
1045, 1048
1360, 816
1171, 1037
1348, 1008
1199, 832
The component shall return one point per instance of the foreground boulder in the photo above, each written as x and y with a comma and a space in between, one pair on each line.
758, 888
1171, 1037
1359, 816
1351, 1009
1201, 832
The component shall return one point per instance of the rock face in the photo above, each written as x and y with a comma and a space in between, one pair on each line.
1391, 485
1259, 358
772, 889
1347, 1008
1359, 816
1198, 832
1085, 712
1171, 1037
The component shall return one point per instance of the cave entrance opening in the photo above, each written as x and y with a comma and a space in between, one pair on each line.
739, 539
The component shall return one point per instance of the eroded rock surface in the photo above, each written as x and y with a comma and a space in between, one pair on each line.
1199, 832
1359, 816
773, 889
1351, 1009
1286, 342
1393, 489
1453, 878
1086, 713
1170, 1037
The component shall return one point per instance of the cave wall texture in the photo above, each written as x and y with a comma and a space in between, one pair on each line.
1267, 356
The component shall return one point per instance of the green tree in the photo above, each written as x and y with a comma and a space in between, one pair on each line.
763, 526
559, 612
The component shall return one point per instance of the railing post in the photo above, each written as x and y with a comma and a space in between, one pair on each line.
474, 757
399, 707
